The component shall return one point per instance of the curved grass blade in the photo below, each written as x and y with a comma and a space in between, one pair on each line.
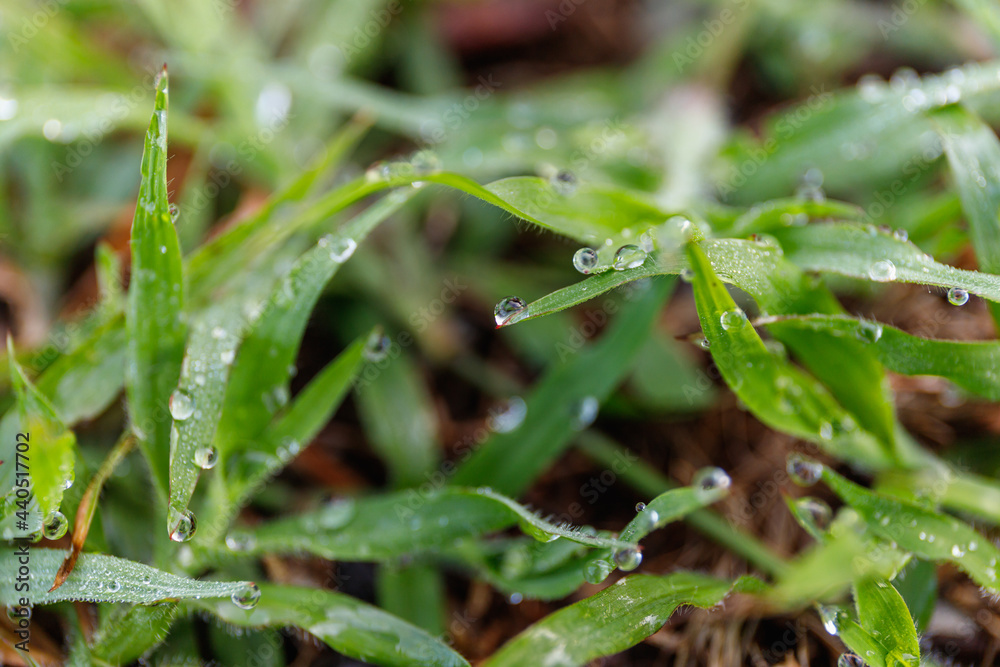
510, 462
971, 365
974, 157
41, 453
867, 253
347, 625
197, 403
778, 213
261, 372
926, 533
88, 505
613, 620
155, 303
405, 523
778, 393
128, 633
882, 613
99, 578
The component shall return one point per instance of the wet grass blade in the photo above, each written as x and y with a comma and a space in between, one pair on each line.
883, 614
347, 625
386, 527
156, 330
926, 533
974, 157
971, 365
802, 406
510, 462
128, 633
613, 620
99, 578
867, 253
39, 447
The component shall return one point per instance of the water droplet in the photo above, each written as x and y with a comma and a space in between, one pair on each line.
17, 613
869, 332
648, 519
206, 457
958, 296
509, 416
55, 526
584, 412
227, 356
640, 507
114, 586
803, 470
826, 430
425, 162
585, 260
733, 320
508, 309
52, 129
850, 660
248, 597
830, 617
901, 234
957, 551
240, 541
185, 526
709, 480
8, 108
816, 511
515, 598
628, 559
687, 275
629, 257
377, 347
175, 211
882, 271
703, 342
564, 182
537, 533
597, 570
181, 405
341, 249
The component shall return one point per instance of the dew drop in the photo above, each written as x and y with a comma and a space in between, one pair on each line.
882, 271
206, 457
240, 541
175, 212
55, 526
181, 405
510, 415
829, 616
227, 356
507, 310
342, 249
248, 597
803, 470
733, 320
585, 260
597, 570
648, 520
707, 481
425, 162
114, 586
377, 347
901, 234
703, 342
564, 182
687, 275
869, 332
957, 551
628, 559
584, 412
184, 527
816, 511
17, 613
850, 660
515, 598
640, 507
629, 257
958, 296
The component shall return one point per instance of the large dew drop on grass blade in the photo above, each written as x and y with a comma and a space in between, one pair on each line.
815, 511
585, 260
181, 405
584, 412
629, 257
507, 310
882, 271
509, 416
708, 481
248, 597
55, 526
958, 296
628, 559
184, 525
803, 470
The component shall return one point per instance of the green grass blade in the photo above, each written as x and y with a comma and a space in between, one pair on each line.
44, 460
613, 620
870, 254
883, 613
155, 304
348, 626
261, 371
400, 421
99, 578
802, 407
389, 526
926, 533
510, 462
971, 365
415, 593
974, 157
128, 633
